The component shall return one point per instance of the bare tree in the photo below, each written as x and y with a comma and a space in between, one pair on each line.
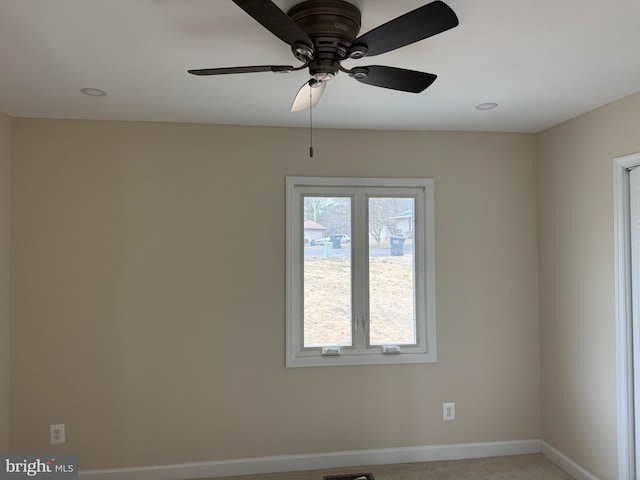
332, 212
383, 213
314, 207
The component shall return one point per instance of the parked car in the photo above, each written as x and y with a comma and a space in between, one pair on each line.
344, 239
320, 241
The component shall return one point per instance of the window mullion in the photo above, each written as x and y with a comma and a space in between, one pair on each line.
360, 276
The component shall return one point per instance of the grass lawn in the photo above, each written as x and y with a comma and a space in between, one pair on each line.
327, 307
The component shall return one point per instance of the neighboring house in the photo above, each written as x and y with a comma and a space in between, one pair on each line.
401, 224
313, 231
404, 224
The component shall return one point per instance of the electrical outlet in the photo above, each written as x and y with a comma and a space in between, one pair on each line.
56, 434
448, 411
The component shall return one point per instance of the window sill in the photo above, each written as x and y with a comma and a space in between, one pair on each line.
359, 359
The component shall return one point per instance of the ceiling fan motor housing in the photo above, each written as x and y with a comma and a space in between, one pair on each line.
323, 33
332, 25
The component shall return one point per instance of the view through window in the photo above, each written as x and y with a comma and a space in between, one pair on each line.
328, 271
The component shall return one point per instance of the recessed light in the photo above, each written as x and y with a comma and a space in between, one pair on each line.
486, 106
93, 92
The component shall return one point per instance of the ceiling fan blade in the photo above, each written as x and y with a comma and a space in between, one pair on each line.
276, 21
252, 69
393, 78
308, 95
426, 21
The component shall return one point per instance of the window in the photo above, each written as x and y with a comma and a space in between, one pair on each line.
360, 271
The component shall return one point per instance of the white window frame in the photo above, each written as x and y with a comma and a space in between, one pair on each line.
424, 351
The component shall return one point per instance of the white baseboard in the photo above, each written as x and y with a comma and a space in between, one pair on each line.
565, 463
291, 463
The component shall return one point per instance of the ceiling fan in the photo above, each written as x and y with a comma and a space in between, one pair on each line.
323, 33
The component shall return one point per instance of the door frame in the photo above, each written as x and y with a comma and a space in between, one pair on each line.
623, 313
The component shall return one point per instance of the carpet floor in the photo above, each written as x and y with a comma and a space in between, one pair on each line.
525, 467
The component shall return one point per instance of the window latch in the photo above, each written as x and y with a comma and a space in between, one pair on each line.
330, 351
391, 349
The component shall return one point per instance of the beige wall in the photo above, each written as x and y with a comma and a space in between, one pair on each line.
576, 248
5, 225
148, 294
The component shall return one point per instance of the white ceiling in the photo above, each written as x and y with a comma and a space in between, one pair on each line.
542, 61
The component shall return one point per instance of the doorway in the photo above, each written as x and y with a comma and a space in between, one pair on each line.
628, 433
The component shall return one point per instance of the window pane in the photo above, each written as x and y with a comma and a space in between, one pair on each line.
391, 271
327, 271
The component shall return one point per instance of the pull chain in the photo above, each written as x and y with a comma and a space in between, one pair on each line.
310, 122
